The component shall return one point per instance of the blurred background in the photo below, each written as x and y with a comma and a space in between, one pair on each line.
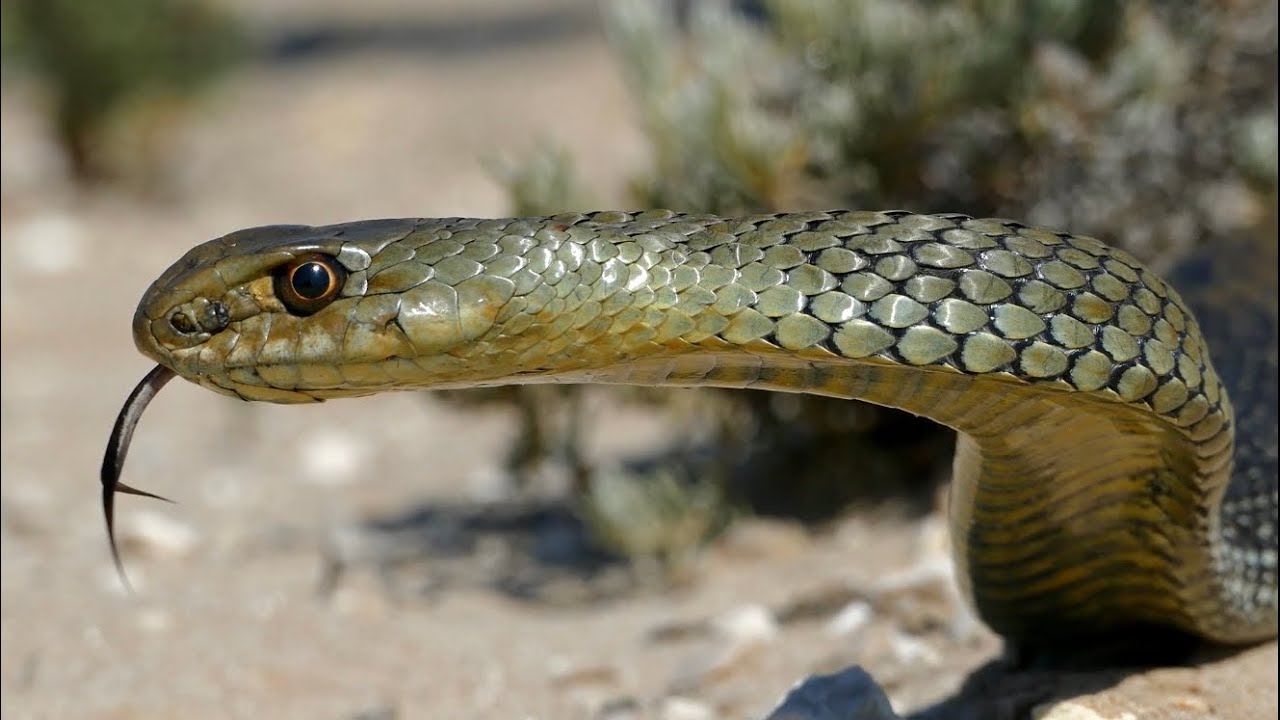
541, 552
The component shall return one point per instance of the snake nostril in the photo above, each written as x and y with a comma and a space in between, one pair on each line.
214, 317
181, 322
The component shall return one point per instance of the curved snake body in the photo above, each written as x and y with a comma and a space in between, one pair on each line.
1093, 479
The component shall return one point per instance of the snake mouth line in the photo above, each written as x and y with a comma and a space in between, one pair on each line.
118, 448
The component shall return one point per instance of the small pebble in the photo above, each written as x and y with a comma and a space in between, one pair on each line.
852, 618
679, 708
1074, 711
749, 624
157, 534
913, 651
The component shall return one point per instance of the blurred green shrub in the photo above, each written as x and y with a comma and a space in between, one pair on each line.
102, 59
1151, 124
542, 183
1089, 115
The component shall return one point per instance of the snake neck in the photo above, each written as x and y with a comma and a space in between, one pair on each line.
1069, 515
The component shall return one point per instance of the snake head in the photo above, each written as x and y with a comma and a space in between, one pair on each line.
293, 314
270, 313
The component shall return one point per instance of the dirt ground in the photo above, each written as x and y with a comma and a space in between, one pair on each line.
227, 621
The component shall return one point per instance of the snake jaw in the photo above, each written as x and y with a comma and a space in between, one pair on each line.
118, 448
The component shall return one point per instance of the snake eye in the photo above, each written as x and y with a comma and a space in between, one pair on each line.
309, 283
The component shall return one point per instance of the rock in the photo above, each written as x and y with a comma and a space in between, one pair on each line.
850, 694
1234, 686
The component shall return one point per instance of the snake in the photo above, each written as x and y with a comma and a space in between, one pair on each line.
1106, 479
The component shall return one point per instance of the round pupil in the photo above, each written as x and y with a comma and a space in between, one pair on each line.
311, 280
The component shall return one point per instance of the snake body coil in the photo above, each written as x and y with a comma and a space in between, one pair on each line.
1095, 452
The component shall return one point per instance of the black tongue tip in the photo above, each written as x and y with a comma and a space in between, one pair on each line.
118, 448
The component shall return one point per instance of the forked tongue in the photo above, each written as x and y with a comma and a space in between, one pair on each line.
118, 447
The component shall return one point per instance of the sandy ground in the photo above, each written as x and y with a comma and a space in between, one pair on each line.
227, 621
